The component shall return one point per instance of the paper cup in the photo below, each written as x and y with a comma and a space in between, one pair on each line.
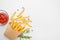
11, 34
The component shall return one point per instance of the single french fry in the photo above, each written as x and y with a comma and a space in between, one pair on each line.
26, 16
20, 13
12, 22
21, 18
14, 25
13, 15
28, 25
25, 21
12, 19
18, 18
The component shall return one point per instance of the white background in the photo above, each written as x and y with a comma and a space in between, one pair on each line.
45, 15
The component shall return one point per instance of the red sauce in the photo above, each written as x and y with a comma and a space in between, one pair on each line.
3, 18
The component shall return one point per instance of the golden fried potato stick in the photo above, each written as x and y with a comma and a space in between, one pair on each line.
12, 19
26, 16
20, 13
21, 18
14, 25
28, 25
26, 21
13, 15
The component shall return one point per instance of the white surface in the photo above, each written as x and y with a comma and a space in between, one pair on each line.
44, 13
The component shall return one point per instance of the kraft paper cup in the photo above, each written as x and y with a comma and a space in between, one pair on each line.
11, 34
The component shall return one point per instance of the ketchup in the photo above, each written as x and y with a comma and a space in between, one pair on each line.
3, 17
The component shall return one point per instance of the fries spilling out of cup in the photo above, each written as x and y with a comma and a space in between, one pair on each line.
17, 25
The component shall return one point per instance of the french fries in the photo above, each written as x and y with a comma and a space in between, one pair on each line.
17, 25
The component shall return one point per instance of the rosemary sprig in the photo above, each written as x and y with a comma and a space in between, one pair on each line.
22, 36
27, 37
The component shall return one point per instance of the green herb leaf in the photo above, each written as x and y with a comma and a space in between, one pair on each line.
23, 36
27, 37
27, 31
